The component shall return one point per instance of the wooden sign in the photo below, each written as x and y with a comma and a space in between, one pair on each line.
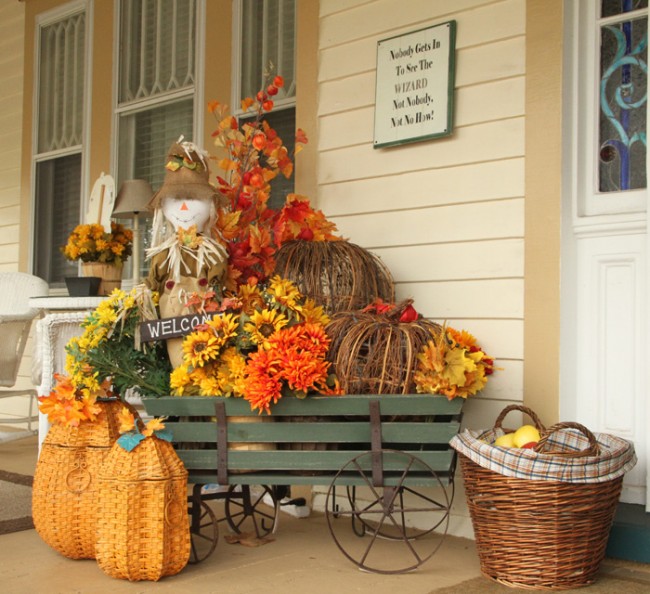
414, 96
172, 327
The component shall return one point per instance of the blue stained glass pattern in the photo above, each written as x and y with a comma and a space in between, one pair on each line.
614, 7
623, 97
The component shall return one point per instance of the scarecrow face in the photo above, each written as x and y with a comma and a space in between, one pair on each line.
185, 212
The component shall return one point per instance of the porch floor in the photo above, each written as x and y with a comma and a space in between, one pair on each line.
302, 558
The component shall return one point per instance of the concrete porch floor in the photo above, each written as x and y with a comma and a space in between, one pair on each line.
303, 558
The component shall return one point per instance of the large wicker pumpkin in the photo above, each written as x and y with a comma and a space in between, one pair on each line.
142, 527
338, 275
64, 495
376, 353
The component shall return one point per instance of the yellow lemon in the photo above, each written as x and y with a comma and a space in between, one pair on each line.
505, 441
525, 435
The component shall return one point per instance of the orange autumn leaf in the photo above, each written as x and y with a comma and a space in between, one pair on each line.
153, 425
126, 420
301, 137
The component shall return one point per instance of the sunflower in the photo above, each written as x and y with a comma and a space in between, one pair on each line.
264, 324
200, 347
313, 313
251, 297
285, 293
224, 326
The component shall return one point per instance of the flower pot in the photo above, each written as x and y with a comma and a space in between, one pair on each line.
82, 286
110, 274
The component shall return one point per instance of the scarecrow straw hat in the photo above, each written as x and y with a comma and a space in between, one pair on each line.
187, 175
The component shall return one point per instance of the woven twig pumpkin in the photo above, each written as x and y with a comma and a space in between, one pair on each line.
142, 526
338, 275
374, 353
64, 495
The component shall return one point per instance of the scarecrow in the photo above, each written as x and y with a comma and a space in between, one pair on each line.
185, 259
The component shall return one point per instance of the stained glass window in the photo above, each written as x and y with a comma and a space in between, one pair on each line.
623, 96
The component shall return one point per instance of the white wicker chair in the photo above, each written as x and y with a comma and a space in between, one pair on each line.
15, 322
52, 334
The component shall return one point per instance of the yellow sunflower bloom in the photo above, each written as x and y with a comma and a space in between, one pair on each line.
200, 347
285, 293
264, 324
314, 314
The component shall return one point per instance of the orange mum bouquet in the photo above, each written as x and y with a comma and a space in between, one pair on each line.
91, 243
264, 342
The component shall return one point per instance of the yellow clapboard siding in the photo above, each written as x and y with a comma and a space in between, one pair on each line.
491, 62
328, 7
8, 234
501, 258
10, 211
9, 178
9, 253
481, 412
461, 222
506, 19
503, 339
484, 142
476, 104
494, 298
430, 187
360, 54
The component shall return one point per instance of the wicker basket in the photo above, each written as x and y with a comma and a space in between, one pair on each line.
142, 528
338, 275
64, 495
543, 534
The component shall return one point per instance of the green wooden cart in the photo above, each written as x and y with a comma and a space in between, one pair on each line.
385, 460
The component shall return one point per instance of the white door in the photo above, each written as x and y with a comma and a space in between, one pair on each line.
605, 306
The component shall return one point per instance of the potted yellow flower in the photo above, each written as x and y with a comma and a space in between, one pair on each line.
102, 254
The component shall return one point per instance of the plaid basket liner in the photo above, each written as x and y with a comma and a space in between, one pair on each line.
616, 456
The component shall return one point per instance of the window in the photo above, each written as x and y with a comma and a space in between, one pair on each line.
156, 85
623, 96
266, 41
59, 124
612, 107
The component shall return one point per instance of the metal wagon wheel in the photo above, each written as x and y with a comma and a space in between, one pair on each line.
204, 532
360, 528
403, 527
246, 510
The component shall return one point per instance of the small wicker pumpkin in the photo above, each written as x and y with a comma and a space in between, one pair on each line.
142, 526
338, 275
376, 353
64, 494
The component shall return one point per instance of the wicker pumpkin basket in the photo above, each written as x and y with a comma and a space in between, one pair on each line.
64, 494
375, 353
142, 527
542, 516
338, 275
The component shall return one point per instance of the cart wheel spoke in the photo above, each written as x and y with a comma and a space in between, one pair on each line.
246, 513
204, 532
403, 527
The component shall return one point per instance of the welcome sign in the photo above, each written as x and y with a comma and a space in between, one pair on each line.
415, 86
172, 327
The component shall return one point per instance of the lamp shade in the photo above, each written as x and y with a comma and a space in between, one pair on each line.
132, 198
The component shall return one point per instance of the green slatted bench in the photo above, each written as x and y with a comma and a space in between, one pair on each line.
377, 454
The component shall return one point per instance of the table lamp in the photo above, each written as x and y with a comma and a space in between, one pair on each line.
131, 200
